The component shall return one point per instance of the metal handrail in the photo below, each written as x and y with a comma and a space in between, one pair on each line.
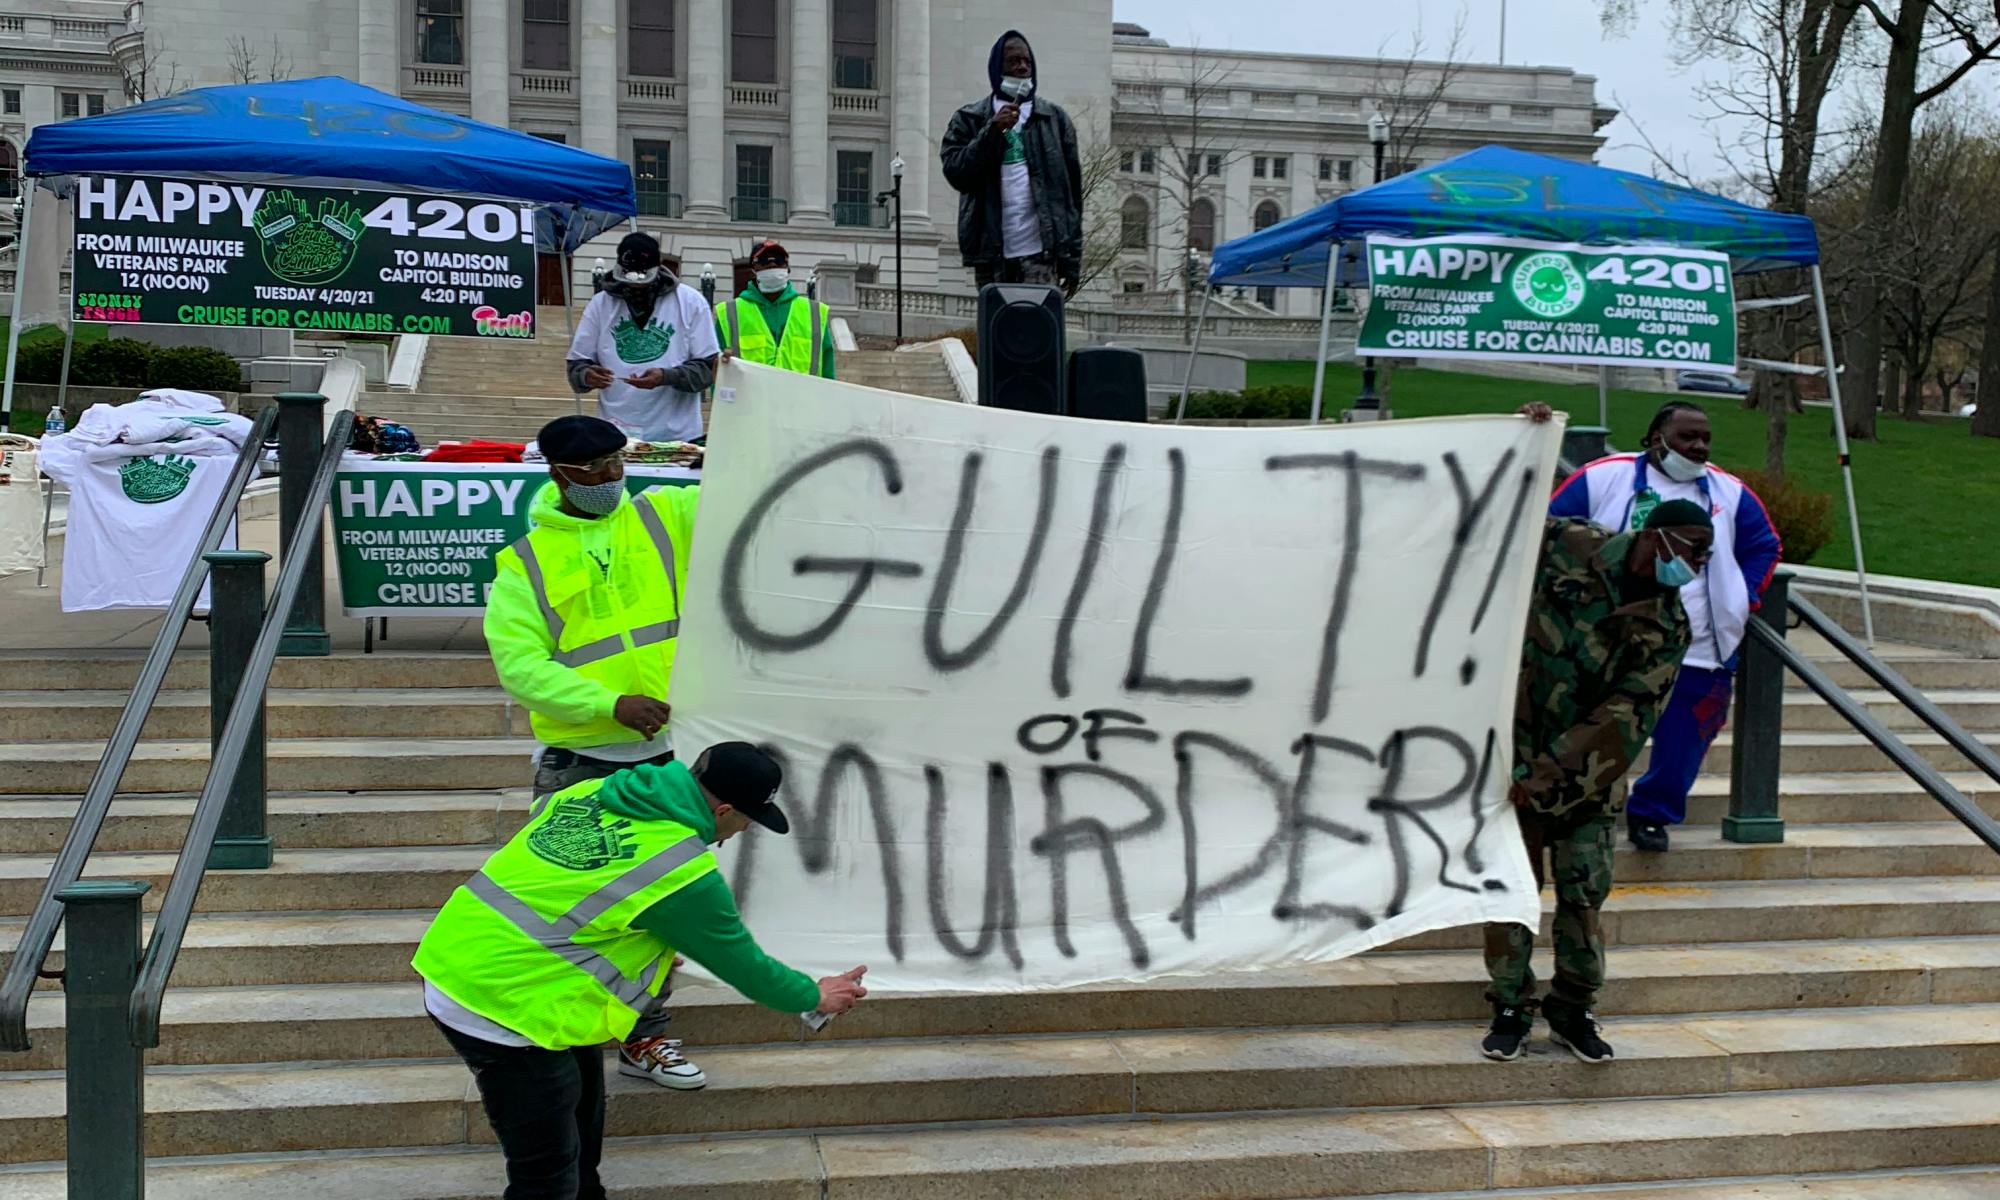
1909, 697
40, 934
1984, 827
178, 905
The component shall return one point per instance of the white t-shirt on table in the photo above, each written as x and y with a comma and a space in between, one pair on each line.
681, 328
1020, 224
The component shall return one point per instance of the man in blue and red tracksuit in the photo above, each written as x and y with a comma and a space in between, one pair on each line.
1618, 493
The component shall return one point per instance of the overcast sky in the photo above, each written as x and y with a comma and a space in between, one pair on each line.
1635, 73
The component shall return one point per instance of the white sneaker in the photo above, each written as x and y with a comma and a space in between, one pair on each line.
660, 1060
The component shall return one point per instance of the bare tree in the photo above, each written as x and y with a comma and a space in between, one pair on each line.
1192, 145
1409, 90
1986, 418
1100, 159
144, 70
1786, 57
251, 66
1958, 36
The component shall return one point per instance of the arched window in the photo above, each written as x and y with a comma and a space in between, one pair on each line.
1133, 218
10, 170
1201, 225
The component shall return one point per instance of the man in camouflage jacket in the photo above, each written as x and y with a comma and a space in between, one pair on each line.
1606, 632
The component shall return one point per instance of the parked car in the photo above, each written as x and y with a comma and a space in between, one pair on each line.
1711, 381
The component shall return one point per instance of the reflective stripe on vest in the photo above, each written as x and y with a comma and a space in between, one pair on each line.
777, 345
558, 936
613, 645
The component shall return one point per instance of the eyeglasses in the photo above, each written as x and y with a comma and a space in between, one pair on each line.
1685, 546
615, 458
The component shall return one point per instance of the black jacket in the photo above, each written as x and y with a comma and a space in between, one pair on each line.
971, 155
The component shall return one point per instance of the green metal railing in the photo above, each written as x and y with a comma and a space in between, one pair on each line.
114, 986
1757, 742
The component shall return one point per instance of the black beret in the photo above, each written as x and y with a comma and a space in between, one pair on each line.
573, 441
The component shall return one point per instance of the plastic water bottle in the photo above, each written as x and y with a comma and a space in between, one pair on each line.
55, 422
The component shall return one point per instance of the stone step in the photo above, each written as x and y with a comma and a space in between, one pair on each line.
1847, 798
1926, 674
390, 405
1977, 710
233, 1110
1537, 1144
288, 713
346, 1021
326, 764
38, 824
1812, 751
60, 671
789, 1169
420, 877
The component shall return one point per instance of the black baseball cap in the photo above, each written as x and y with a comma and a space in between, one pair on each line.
746, 779
639, 251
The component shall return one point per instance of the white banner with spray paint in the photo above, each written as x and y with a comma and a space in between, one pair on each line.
1063, 702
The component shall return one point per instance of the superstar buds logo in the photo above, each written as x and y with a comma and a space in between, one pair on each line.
488, 321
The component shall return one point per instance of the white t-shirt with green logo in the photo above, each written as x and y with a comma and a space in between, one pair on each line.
1020, 224
682, 327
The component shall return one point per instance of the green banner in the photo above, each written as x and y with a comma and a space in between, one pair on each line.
184, 252
1529, 301
419, 538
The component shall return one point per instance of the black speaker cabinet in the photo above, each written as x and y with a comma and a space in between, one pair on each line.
1021, 347
1107, 383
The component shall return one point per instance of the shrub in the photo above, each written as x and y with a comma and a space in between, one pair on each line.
114, 362
970, 337
1804, 517
196, 368
39, 361
1210, 406
1280, 402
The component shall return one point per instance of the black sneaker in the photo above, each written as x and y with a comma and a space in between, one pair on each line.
1646, 836
1580, 1034
1510, 1031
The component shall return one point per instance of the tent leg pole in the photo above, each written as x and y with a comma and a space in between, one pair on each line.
569, 318
48, 518
1187, 377
14, 326
69, 346
1846, 465
1603, 397
1325, 325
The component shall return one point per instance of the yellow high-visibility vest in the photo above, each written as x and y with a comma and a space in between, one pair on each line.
541, 941
799, 350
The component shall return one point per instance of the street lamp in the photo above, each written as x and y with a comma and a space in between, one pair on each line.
895, 193
1368, 405
708, 283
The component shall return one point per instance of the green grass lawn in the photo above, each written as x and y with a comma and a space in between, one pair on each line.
1905, 529
31, 423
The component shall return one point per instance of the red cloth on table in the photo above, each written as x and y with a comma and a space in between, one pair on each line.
477, 451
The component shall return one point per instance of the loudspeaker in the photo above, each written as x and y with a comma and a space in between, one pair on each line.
1021, 347
1107, 383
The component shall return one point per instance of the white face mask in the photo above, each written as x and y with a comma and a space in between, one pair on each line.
1017, 89
773, 280
1681, 468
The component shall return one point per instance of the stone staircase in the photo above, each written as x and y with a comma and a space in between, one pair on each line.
920, 371
1821, 1017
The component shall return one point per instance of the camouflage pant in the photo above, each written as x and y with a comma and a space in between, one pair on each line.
1581, 862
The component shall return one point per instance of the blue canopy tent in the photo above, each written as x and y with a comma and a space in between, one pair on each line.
1497, 190
332, 132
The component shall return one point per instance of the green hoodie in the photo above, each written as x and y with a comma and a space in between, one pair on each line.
775, 310
701, 920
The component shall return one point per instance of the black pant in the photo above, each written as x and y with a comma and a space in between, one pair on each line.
547, 1106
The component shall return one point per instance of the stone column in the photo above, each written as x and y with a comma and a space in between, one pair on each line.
910, 133
597, 80
708, 176
380, 47
812, 51
489, 61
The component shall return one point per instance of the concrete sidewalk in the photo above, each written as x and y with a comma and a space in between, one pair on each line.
32, 619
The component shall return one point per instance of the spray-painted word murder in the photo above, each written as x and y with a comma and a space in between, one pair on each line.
1072, 701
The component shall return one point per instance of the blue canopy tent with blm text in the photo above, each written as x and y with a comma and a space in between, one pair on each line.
1501, 191
332, 132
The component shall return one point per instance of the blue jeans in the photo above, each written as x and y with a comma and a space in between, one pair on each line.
1695, 713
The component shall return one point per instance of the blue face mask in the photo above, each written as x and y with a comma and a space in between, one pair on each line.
597, 499
1673, 572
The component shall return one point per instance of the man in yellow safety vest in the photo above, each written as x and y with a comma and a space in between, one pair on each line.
770, 323
562, 942
582, 624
